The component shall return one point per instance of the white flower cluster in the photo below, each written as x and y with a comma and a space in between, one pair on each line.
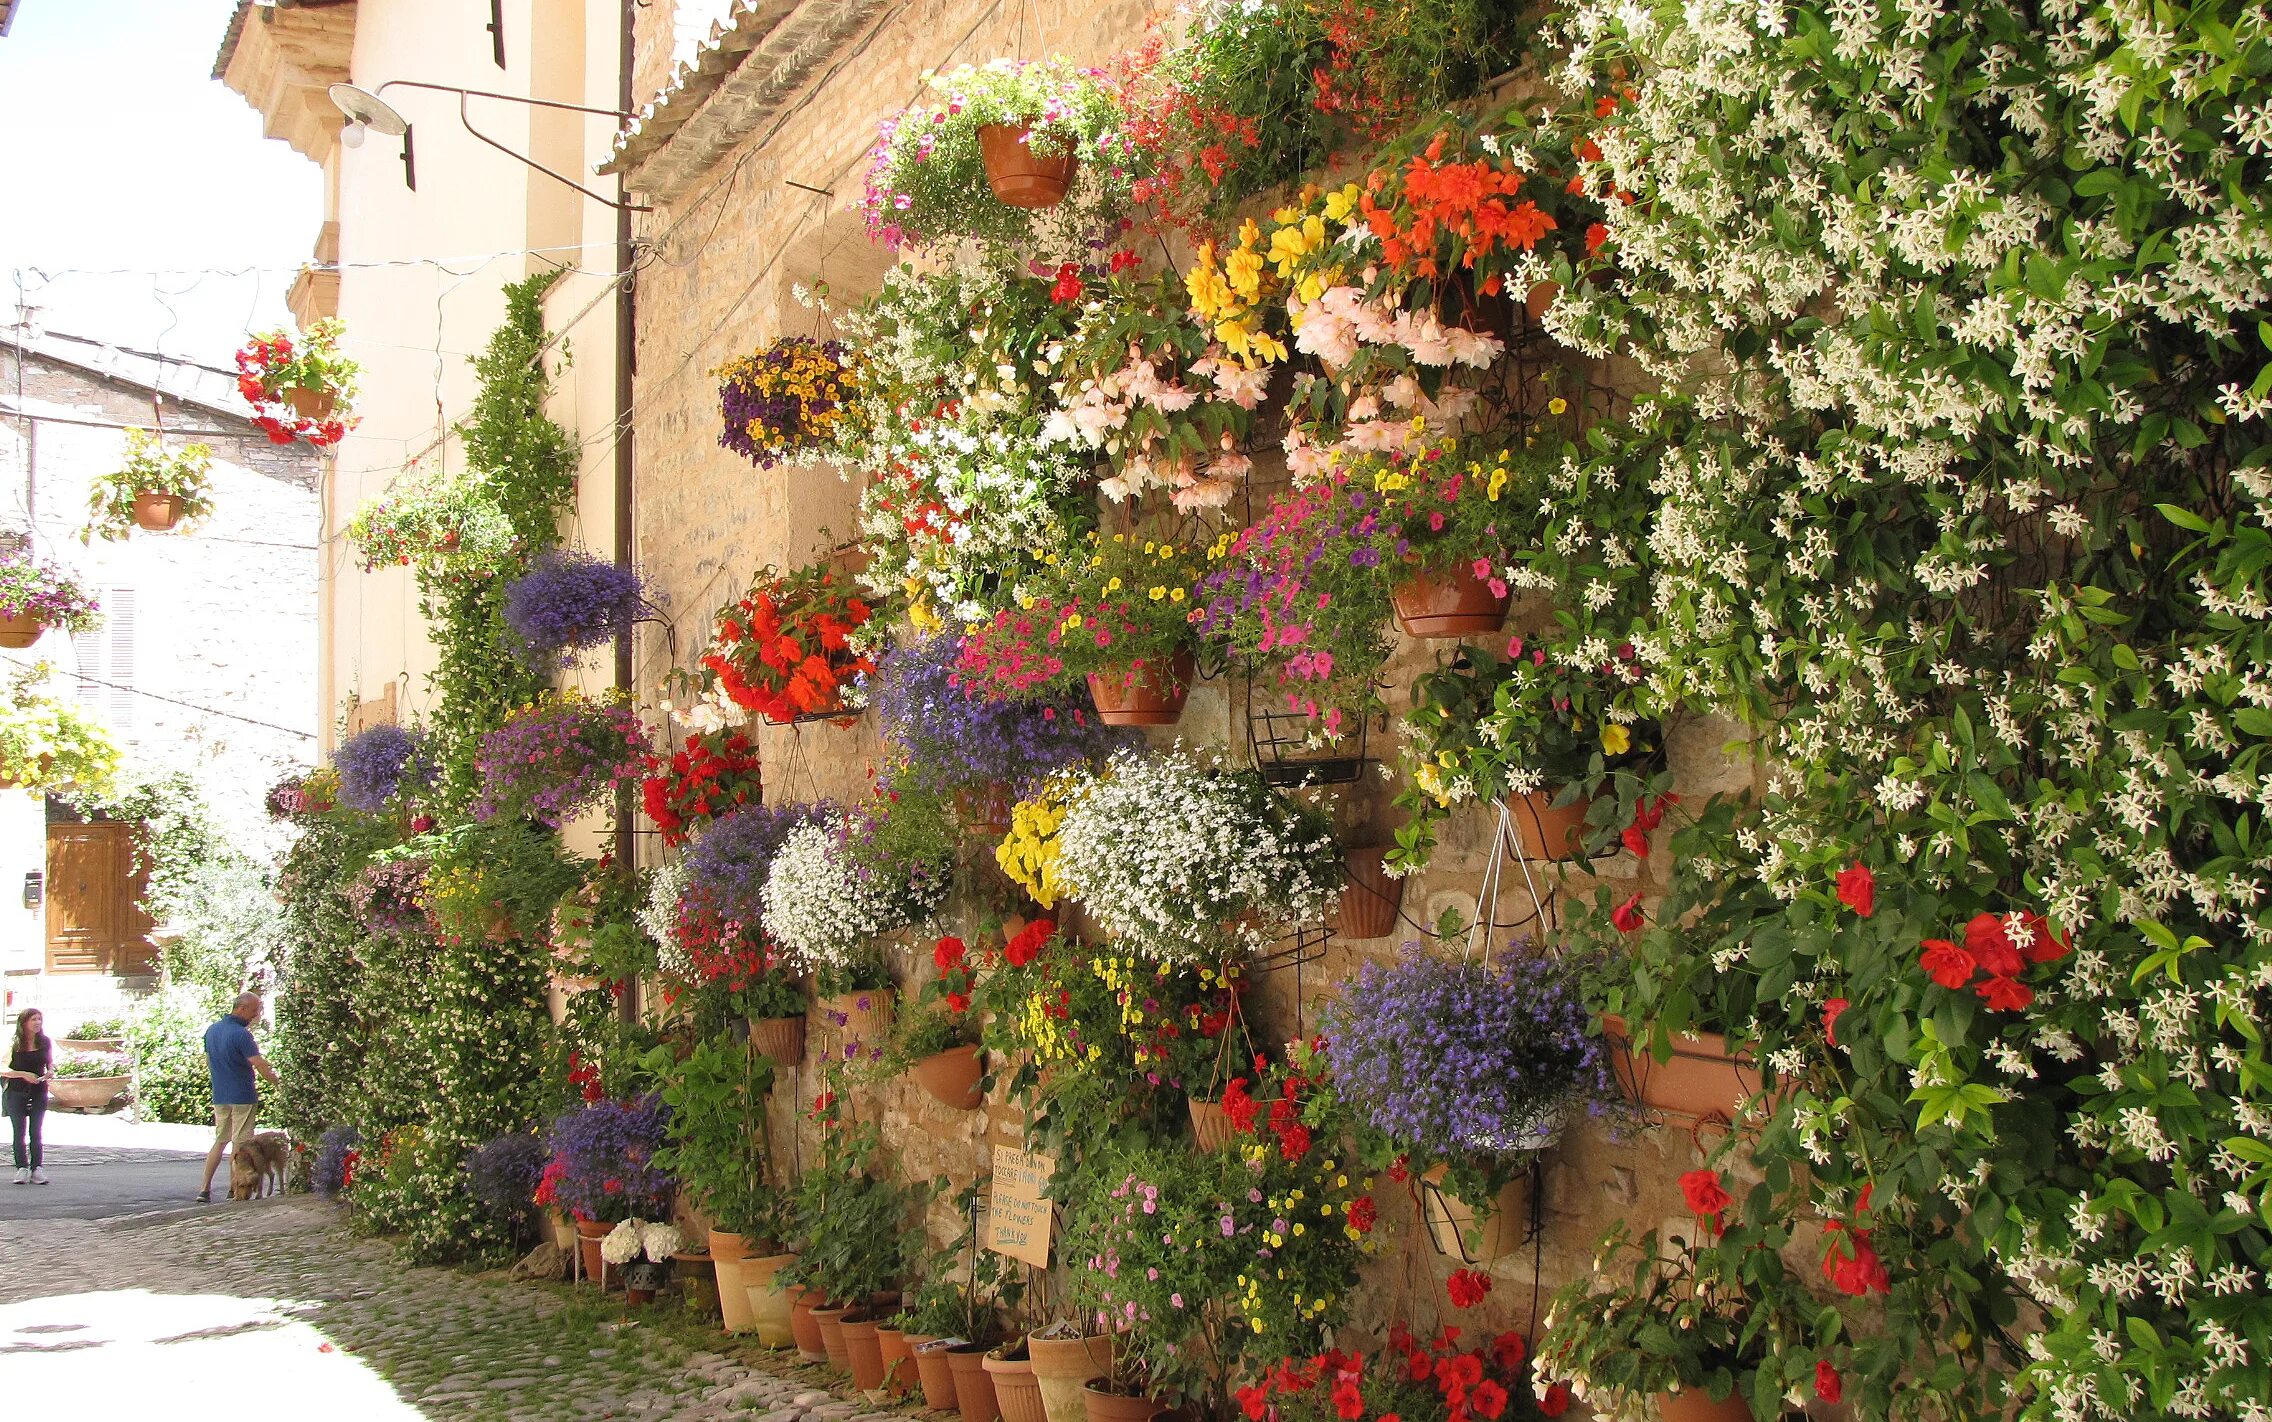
822, 904
1179, 859
633, 1238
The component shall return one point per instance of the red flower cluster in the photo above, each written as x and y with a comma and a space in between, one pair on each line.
786, 650
1470, 1384
1472, 204
347, 1171
1851, 1263
1647, 815
1627, 916
1026, 944
951, 956
585, 1077
1858, 889
1068, 287
1467, 1287
1828, 1385
1284, 1118
712, 774
258, 364
548, 1184
1706, 1197
1990, 950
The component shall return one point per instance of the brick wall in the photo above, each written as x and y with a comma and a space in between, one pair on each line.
725, 260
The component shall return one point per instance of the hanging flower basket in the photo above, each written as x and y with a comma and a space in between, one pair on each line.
1454, 1228
1371, 899
1018, 175
952, 1078
311, 404
21, 630
780, 1040
861, 1020
36, 595
297, 385
1702, 1081
1449, 602
1696, 1405
1546, 831
157, 513
1150, 695
1211, 1124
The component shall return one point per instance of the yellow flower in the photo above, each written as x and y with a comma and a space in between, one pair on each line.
1615, 739
1158, 593
1175, 594
1557, 405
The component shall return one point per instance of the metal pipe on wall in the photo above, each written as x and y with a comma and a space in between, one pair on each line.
626, 306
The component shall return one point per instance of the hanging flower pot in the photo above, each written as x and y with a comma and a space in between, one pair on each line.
974, 1386
864, 1349
780, 1040
157, 513
1453, 1225
1696, 1405
311, 404
933, 1371
952, 1078
1210, 1124
1448, 602
1702, 1081
1150, 695
1063, 1368
1540, 298
1371, 899
1547, 831
1018, 175
1016, 1390
768, 1300
20, 631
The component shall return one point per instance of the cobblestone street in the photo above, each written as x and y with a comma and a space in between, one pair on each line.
261, 1309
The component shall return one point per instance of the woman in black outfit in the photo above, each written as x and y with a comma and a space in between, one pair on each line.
31, 1063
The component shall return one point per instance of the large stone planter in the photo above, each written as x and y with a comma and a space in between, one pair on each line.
85, 1093
768, 1300
1063, 1367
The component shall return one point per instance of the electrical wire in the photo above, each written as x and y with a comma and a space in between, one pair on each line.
192, 706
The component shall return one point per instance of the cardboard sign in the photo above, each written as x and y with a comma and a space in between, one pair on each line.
1019, 1215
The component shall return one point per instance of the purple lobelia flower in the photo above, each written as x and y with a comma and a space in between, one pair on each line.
607, 1157
726, 864
568, 601
954, 739
328, 1176
1448, 1057
502, 1174
378, 764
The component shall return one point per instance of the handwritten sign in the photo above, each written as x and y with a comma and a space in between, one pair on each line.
1019, 1214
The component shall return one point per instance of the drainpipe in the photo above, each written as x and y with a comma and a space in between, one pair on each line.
625, 348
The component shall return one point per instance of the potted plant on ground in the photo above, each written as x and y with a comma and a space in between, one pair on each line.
559, 756
36, 594
299, 389
1183, 860
993, 143
502, 1175
784, 401
1116, 613
852, 1221
1467, 1069
641, 1250
937, 1042
569, 601
1413, 1379
603, 1168
151, 489
87, 1081
716, 1093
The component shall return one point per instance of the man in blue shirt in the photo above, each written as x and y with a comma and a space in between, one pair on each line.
232, 1056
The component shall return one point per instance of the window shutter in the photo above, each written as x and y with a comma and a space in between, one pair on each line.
106, 663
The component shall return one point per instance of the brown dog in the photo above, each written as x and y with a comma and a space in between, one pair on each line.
257, 1167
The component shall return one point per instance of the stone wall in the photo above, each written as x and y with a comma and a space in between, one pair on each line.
719, 283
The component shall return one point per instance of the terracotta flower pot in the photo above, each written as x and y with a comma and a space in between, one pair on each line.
804, 1328
156, 513
1063, 1367
1151, 695
728, 1252
1546, 831
768, 1300
1703, 1080
20, 631
985, 809
1697, 1406
1106, 1406
934, 1371
865, 1350
974, 1386
780, 1040
898, 1358
1539, 298
866, 1022
1211, 1124
1016, 1390
830, 1321
952, 1077
85, 1093
1371, 899
311, 404
1454, 1230
1018, 175
563, 1230
1448, 602
697, 1278
589, 1233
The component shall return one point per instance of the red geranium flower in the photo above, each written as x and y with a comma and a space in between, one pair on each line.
1831, 1007
1827, 1384
1467, 1287
1989, 944
947, 952
1362, 1214
1627, 915
1857, 889
2004, 994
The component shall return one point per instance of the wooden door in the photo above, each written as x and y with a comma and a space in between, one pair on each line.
94, 920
